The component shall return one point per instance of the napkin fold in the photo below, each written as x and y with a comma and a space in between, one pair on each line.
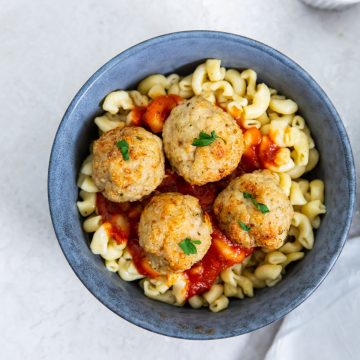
327, 325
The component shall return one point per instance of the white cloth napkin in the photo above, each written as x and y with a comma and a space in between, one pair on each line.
327, 325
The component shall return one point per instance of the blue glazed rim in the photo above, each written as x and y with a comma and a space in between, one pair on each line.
349, 163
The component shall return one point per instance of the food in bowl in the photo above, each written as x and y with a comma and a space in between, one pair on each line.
121, 180
197, 164
195, 186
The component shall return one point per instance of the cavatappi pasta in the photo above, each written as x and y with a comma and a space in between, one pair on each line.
260, 111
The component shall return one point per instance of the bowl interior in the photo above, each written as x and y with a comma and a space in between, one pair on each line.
181, 52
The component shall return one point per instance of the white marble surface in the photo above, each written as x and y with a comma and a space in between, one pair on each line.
47, 50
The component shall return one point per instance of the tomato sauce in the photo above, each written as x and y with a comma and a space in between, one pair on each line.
139, 258
259, 152
175, 183
267, 151
237, 115
222, 254
136, 115
110, 212
154, 115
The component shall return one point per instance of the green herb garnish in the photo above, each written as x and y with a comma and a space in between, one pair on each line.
247, 195
244, 227
205, 139
188, 246
262, 207
124, 149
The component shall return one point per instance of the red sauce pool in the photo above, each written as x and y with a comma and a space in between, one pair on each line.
260, 151
110, 212
137, 115
139, 258
222, 254
154, 115
175, 183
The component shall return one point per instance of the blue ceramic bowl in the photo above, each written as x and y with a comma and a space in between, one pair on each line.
181, 52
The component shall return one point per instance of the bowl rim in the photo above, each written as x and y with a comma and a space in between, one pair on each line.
285, 60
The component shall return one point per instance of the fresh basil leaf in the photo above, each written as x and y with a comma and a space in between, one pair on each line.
262, 207
123, 146
244, 226
204, 135
202, 142
197, 242
188, 247
205, 139
247, 195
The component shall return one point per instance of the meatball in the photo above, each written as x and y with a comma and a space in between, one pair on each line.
168, 221
241, 213
199, 165
124, 178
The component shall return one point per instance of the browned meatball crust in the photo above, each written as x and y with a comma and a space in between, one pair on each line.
123, 180
166, 221
200, 165
247, 223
